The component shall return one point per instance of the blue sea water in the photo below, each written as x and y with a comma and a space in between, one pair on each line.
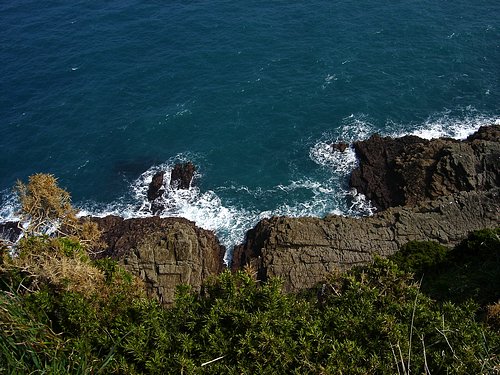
104, 93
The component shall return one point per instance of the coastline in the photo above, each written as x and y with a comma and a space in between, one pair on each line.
437, 190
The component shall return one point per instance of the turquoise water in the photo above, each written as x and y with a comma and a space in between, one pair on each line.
103, 94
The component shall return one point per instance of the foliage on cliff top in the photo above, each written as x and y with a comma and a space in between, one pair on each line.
61, 312
471, 270
46, 208
43, 203
371, 320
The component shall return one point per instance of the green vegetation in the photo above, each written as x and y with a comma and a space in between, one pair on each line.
470, 271
62, 312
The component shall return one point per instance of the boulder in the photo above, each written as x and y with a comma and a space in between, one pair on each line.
9, 231
164, 252
182, 175
340, 146
375, 175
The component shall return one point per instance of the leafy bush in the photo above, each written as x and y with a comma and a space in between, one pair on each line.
27, 345
420, 256
60, 312
469, 271
369, 320
483, 244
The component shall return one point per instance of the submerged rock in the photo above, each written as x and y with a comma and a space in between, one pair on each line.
164, 252
341, 146
155, 189
181, 177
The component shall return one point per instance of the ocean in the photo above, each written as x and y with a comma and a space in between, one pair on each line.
104, 94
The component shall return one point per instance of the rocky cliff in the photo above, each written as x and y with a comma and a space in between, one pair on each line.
164, 252
409, 170
426, 190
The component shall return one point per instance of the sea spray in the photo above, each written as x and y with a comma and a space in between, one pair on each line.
230, 210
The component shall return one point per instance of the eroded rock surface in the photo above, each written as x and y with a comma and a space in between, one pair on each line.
182, 175
155, 188
303, 251
408, 170
164, 252
436, 190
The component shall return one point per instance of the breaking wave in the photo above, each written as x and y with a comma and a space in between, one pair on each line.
228, 210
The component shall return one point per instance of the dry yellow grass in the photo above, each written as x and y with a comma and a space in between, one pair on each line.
493, 315
61, 272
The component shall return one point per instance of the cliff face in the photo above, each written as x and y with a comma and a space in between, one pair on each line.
431, 190
409, 170
164, 252
303, 250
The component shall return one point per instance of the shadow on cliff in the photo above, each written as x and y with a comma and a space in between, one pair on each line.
470, 271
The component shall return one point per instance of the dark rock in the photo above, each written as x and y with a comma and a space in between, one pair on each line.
486, 133
376, 176
436, 190
9, 231
409, 170
303, 251
164, 252
341, 146
156, 189
182, 175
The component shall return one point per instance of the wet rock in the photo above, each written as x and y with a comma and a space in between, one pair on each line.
436, 190
182, 175
9, 231
486, 133
341, 146
164, 252
155, 189
376, 176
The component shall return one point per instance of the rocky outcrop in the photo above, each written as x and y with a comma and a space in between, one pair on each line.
436, 190
155, 189
164, 252
341, 146
182, 175
409, 170
303, 251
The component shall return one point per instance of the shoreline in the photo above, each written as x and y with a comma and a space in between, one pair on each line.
445, 188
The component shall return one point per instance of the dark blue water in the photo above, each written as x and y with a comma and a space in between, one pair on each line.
103, 94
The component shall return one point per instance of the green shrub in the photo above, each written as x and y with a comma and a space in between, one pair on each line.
371, 320
28, 346
483, 244
420, 256
470, 271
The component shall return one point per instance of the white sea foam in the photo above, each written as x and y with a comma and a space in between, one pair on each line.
358, 127
339, 162
447, 124
9, 206
204, 208
318, 194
